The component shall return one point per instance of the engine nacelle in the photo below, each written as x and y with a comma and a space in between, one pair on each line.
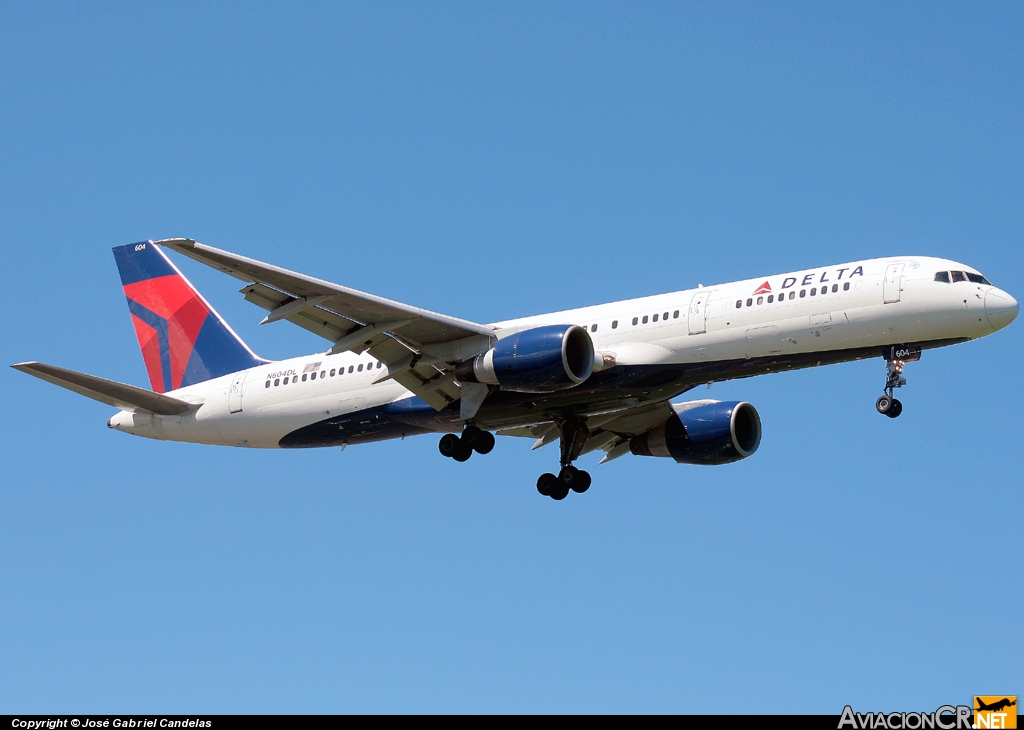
537, 360
703, 433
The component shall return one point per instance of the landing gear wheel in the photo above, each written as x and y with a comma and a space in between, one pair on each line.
581, 483
568, 475
448, 445
470, 434
884, 404
895, 409
559, 492
483, 442
463, 451
547, 483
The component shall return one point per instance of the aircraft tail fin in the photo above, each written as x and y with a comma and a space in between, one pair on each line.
119, 395
183, 340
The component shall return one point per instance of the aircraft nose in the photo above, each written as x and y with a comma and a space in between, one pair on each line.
1000, 308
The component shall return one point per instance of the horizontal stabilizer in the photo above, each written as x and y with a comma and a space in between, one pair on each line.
119, 395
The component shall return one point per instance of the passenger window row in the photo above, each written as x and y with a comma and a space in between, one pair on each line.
324, 373
637, 320
792, 295
655, 317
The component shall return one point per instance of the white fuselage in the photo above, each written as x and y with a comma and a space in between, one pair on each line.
864, 304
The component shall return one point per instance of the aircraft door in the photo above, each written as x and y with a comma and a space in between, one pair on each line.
893, 283
697, 316
235, 392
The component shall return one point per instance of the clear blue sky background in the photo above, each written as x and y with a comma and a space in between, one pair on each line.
488, 161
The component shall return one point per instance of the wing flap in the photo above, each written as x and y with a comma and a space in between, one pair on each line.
320, 322
118, 395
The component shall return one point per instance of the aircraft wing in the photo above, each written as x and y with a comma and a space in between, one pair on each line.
609, 432
119, 395
419, 347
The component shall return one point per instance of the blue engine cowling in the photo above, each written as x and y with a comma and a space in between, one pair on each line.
703, 433
537, 360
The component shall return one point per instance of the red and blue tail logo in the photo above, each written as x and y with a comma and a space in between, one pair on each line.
183, 340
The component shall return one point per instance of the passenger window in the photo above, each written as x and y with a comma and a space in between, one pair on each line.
792, 294
593, 328
846, 286
615, 324
303, 377
958, 276
332, 372
664, 316
675, 314
760, 300
655, 318
803, 293
750, 302
379, 365
942, 276
771, 298
835, 288
645, 319
323, 374
360, 368
635, 320
351, 368
739, 303
814, 291
267, 385
977, 278
312, 376
277, 381
284, 382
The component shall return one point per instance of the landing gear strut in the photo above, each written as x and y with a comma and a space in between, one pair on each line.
462, 447
574, 434
887, 404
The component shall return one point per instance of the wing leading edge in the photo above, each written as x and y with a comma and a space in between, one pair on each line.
420, 348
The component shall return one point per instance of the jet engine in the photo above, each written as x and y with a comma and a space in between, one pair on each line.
703, 433
537, 360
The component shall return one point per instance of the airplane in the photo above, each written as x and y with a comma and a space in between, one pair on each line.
995, 706
596, 378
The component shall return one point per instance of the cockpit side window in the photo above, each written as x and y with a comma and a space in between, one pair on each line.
978, 278
942, 276
958, 276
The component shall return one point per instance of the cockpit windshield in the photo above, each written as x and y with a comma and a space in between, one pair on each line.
949, 277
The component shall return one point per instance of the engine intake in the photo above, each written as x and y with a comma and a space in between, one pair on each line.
537, 360
703, 433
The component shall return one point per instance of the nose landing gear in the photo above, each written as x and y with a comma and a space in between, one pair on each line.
896, 358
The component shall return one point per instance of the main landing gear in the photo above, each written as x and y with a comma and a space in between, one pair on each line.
574, 434
887, 405
462, 447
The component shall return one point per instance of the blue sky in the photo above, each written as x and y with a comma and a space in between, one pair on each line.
489, 161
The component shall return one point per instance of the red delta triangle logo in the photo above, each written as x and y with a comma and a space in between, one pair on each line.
168, 317
763, 289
